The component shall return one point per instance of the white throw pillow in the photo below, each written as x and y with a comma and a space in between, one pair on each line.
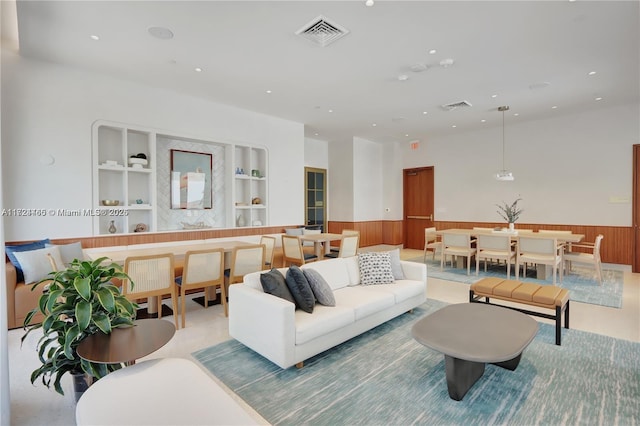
36, 265
68, 252
396, 266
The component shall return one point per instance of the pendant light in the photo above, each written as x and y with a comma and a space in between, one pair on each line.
504, 174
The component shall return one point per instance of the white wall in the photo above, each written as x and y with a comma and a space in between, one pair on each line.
48, 110
566, 169
341, 181
367, 180
316, 154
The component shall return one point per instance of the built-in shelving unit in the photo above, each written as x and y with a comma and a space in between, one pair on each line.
134, 186
250, 173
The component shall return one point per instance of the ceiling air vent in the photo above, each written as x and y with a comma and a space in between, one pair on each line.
322, 31
454, 105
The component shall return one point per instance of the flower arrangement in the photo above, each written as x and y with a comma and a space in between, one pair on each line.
510, 212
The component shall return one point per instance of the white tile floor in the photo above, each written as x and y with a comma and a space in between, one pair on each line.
37, 405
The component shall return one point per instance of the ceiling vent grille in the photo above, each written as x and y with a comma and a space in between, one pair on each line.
455, 105
322, 31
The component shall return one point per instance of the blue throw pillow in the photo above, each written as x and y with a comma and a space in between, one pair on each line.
10, 250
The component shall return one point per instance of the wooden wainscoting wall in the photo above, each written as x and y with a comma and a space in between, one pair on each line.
372, 232
161, 237
617, 245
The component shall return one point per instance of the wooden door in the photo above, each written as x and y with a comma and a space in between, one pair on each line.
636, 209
418, 205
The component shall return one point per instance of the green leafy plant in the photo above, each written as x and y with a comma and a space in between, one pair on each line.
510, 212
78, 302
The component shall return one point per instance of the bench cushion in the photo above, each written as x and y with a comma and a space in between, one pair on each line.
533, 294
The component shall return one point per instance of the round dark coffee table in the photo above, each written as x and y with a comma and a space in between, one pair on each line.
125, 345
471, 335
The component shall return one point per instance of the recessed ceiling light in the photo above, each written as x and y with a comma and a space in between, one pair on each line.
316, 134
94, 37
454, 126
483, 121
592, 73
368, 3
268, 91
539, 85
432, 52
330, 110
161, 33
494, 96
374, 124
406, 135
197, 69
554, 107
516, 114
403, 77
424, 113
599, 98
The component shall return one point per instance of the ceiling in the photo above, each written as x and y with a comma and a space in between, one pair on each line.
534, 56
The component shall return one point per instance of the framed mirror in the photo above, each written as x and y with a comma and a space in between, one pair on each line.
190, 179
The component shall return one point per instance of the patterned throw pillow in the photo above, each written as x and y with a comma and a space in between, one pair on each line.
375, 268
321, 289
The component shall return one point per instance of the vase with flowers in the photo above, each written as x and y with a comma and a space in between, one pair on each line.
510, 212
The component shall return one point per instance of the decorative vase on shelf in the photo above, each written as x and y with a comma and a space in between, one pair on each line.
512, 226
112, 227
240, 221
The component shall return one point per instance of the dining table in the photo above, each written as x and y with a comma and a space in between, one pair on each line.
320, 240
179, 250
542, 271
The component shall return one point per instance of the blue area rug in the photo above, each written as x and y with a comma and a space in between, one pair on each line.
385, 377
581, 282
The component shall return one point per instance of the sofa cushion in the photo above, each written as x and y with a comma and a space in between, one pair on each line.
364, 303
402, 289
11, 250
319, 287
334, 271
375, 268
69, 252
300, 289
36, 264
354, 270
324, 320
273, 282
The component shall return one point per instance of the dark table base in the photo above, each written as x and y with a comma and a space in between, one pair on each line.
463, 374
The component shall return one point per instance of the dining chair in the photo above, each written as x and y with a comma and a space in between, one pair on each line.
553, 231
457, 244
269, 245
202, 269
292, 252
494, 247
538, 250
345, 232
592, 257
431, 243
152, 276
244, 260
348, 246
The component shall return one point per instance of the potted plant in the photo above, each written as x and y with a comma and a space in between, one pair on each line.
510, 212
79, 301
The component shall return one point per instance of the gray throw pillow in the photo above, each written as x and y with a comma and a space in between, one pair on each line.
293, 231
273, 282
69, 252
320, 287
300, 289
396, 267
375, 268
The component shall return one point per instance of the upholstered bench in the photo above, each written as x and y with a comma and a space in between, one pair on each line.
542, 296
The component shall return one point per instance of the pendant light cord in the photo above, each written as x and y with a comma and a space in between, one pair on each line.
503, 149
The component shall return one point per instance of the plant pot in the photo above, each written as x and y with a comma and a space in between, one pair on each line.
81, 383
512, 226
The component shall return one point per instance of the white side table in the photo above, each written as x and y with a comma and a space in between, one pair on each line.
166, 391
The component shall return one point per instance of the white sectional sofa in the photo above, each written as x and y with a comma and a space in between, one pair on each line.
272, 327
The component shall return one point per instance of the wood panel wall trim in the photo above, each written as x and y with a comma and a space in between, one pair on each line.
617, 245
372, 232
161, 237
